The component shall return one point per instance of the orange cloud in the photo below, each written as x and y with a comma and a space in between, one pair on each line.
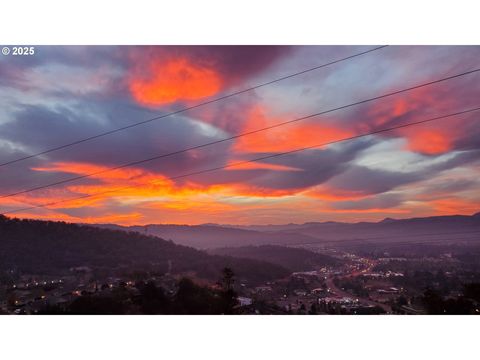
174, 79
123, 176
87, 169
259, 192
429, 141
128, 185
285, 138
432, 139
373, 211
210, 207
454, 205
54, 199
327, 193
259, 166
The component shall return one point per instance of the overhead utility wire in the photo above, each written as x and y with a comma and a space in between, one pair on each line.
238, 135
256, 159
224, 97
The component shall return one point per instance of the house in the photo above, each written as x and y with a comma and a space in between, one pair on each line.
244, 301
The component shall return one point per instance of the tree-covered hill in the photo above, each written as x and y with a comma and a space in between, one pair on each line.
292, 258
33, 246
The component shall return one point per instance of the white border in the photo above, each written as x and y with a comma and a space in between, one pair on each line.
240, 337
243, 22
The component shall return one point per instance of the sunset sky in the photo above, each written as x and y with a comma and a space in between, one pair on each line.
63, 94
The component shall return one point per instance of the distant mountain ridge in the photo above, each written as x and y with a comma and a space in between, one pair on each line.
219, 236
291, 226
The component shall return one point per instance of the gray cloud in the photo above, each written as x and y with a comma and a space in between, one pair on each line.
314, 167
382, 201
372, 181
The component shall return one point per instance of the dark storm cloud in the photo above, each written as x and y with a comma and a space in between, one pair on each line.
235, 63
238, 62
230, 115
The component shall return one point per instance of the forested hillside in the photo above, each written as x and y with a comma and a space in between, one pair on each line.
33, 246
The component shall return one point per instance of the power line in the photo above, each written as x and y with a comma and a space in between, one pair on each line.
224, 97
257, 159
138, 162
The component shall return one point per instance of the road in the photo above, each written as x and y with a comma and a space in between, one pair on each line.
343, 293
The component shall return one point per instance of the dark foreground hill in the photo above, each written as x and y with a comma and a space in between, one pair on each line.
43, 247
291, 258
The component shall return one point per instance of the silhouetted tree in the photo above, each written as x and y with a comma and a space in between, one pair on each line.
433, 302
436, 305
192, 299
152, 299
302, 310
93, 305
472, 291
402, 300
228, 295
228, 278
